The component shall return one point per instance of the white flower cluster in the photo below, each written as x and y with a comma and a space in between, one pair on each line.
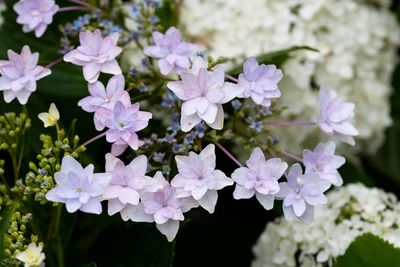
351, 211
357, 41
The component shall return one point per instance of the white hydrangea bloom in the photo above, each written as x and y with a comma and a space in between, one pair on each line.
357, 41
351, 211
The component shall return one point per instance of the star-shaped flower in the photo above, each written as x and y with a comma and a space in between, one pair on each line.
162, 207
198, 177
32, 256
301, 193
123, 122
79, 188
203, 92
260, 82
35, 15
335, 116
105, 97
172, 52
260, 177
323, 161
96, 54
50, 118
19, 75
126, 184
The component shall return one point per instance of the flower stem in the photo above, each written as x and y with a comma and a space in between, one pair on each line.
291, 123
291, 156
82, 3
223, 149
233, 79
91, 140
72, 8
53, 63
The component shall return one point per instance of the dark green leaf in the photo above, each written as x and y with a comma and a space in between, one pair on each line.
278, 57
369, 250
5, 215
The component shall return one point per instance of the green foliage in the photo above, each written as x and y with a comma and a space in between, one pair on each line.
369, 251
5, 222
278, 57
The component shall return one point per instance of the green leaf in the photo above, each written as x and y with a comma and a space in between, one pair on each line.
278, 57
369, 250
5, 221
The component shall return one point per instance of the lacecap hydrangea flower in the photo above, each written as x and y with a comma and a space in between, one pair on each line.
301, 193
172, 53
19, 75
162, 207
35, 15
203, 92
199, 179
260, 82
50, 118
351, 211
96, 54
79, 188
259, 178
126, 184
357, 42
323, 161
105, 97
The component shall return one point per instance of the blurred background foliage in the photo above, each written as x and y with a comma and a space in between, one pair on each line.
224, 238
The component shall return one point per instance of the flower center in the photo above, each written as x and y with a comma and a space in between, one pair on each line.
121, 124
79, 189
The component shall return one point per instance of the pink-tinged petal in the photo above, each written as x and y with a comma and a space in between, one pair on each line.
39, 31
70, 164
154, 51
138, 165
208, 157
240, 175
209, 200
137, 214
112, 192
267, 201
8, 96
158, 38
111, 162
249, 67
299, 207
199, 192
111, 67
289, 213
53, 195
178, 88
115, 85
92, 206
218, 124
115, 206
210, 114
118, 149
308, 215
165, 67
91, 72
319, 199
188, 122
23, 96
73, 205
231, 91
242, 193
169, 229
190, 107
256, 157
76, 57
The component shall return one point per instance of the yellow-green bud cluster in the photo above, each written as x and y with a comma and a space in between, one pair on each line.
12, 128
16, 240
4, 192
40, 178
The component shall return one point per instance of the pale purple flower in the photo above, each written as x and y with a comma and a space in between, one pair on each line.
105, 97
301, 193
323, 161
259, 178
123, 122
35, 15
335, 116
19, 75
203, 92
198, 177
126, 184
79, 188
162, 207
172, 52
260, 82
96, 54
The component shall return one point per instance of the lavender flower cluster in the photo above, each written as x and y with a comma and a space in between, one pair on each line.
200, 89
